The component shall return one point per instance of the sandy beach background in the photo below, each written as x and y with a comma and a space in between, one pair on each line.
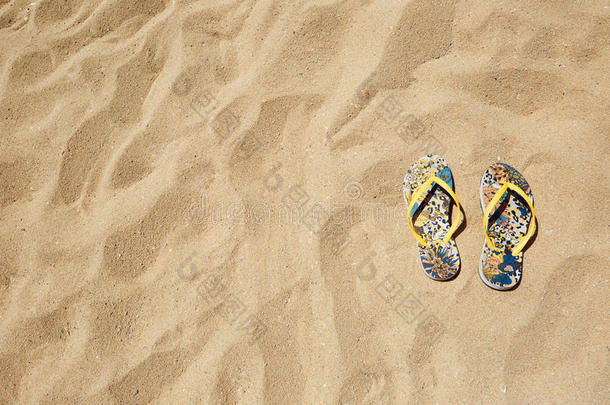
200, 201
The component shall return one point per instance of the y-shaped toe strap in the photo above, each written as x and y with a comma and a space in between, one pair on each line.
506, 186
413, 205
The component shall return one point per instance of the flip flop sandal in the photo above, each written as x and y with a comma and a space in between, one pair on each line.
509, 223
428, 191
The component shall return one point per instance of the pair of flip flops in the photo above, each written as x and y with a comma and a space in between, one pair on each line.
508, 220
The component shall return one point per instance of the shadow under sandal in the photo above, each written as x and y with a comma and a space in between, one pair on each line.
508, 221
428, 191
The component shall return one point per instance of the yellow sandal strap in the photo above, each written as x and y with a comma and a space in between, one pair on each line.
414, 199
530, 231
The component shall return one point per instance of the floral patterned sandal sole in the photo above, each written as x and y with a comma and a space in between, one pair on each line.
428, 191
509, 223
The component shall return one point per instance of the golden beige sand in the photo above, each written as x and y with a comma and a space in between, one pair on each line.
200, 201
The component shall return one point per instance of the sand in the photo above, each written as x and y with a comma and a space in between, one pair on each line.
200, 201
